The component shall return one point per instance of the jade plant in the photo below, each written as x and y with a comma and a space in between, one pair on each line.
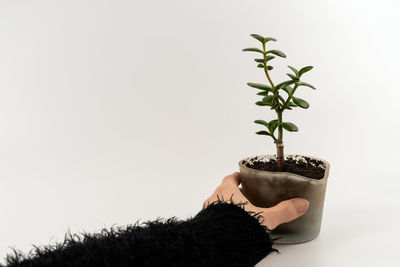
278, 97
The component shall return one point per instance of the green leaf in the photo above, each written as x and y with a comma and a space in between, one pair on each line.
268, 99
282, 99
260, 65
291, 104
306, 84
258, 37
260, 103
292, 76
267, 39
269, 67
272, 125
253, 49
300, 102
288, 89
294, 70
288, 126
264, 93
261, 60
262, 122
263, 133
268, 58
277, 53
283, 84
260, 86
305, 69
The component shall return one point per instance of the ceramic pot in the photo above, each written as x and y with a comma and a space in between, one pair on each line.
266, 189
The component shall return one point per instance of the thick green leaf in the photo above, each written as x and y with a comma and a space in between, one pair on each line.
277, 53
300, 102
305, 69
268, 99
269, 67
282, 99
268, 58
264, 93
258, 37
259, 86
306, 84
261, 60
262, 122
272, 125
260, 65
283, 84
260, 103
291, 104
267, 39
253, 49
292, 76
263, 133
294, 70
288, 89
288, 126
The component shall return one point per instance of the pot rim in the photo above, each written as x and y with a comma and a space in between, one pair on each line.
326, 174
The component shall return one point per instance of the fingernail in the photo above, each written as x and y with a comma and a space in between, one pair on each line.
301, 205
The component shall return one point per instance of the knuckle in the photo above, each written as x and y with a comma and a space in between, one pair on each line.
220, 189
286, 212
225, 179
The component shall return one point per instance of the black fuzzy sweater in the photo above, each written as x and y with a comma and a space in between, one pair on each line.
223, 234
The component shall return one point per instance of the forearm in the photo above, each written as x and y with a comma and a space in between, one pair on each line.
221, 235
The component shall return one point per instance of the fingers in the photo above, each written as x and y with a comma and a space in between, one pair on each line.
233, 179
285, 211
227, 190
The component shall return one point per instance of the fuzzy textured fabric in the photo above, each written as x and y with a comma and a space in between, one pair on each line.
223, 234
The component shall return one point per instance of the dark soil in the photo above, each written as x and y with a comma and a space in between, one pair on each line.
311, 168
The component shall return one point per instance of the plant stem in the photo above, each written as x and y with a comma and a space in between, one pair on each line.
280, 156
286, 104
265, 68
280, 128
279, 142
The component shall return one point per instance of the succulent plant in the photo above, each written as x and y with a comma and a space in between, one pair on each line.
278, 97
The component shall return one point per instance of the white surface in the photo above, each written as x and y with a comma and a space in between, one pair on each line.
113, 111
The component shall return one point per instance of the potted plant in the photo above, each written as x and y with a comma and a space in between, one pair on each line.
270, 179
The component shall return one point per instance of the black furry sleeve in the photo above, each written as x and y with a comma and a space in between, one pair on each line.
223, 234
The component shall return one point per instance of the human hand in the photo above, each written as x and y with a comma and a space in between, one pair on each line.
285, 211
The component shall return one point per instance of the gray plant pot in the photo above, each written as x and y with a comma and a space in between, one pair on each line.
266, 189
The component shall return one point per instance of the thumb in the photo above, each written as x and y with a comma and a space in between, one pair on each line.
285, 211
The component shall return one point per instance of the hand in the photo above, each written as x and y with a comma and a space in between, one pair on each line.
285, 211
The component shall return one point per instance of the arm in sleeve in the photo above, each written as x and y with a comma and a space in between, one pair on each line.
223, 234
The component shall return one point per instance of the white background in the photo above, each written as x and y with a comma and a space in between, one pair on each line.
114, 111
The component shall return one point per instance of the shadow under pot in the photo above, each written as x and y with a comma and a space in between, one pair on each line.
265, 188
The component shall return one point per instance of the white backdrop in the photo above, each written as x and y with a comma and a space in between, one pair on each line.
114, 111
